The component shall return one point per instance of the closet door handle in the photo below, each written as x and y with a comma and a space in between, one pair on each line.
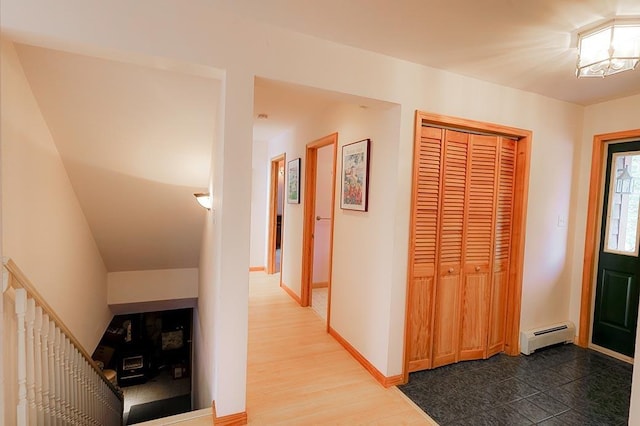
450, 270
477, 268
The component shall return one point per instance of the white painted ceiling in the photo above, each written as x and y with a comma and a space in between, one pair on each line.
525, 44
136, 143
136, 140
288, 105
285, 105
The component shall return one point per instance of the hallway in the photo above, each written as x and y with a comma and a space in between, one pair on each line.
298, 374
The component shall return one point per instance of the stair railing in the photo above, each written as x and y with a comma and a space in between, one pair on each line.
56, 380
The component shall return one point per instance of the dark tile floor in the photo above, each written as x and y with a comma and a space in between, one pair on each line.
560, 385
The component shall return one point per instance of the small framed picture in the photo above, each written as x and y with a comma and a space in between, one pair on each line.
354, 179
293, 181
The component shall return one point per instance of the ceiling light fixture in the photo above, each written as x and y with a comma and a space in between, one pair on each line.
204, 199
609, 48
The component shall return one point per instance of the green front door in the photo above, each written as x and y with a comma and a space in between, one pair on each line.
617, 288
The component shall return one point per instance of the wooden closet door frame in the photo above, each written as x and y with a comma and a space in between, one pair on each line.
274, 172
523, 156
311, 168
592, 236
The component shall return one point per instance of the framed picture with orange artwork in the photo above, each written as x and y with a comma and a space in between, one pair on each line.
354, 179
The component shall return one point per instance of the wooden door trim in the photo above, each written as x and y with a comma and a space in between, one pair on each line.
309, 194
523, 155
593, 214
273, 216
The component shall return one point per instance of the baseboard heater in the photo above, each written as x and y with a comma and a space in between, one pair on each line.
538, 338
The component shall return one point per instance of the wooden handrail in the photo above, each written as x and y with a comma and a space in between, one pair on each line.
17, 279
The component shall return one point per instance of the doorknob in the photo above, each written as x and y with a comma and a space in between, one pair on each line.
450, 270
477, 268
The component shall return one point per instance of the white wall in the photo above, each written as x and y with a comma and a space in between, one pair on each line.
228, 281
44, 230
152, 285
607, 117
322, 230
203, 330
362, 250
259, 204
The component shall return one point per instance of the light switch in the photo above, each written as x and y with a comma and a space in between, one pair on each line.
562, 222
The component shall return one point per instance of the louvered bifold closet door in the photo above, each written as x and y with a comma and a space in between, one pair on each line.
426, 198
478, 246
447, 290
502, 245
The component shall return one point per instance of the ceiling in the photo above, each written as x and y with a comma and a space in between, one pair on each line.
136, 144
136, 140
528, 45
287, 105
284, 105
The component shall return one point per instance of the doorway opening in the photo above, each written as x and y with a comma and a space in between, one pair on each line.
149, 356
276, 215
609, 302
317, 240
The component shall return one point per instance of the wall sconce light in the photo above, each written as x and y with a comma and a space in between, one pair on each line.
609, 48
204, 199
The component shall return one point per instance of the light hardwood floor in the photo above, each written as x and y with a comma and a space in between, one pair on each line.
299, 375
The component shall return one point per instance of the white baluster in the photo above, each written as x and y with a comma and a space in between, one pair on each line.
52, 373
95, 395
75, 398
44, 335
100, 401
63, 385
108, 410
78, 360
31, 383
39, 417
66, 381
88, 395
85, 394
86, 402
105, 412
21, 308
72, 384
58, 377
97, 398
